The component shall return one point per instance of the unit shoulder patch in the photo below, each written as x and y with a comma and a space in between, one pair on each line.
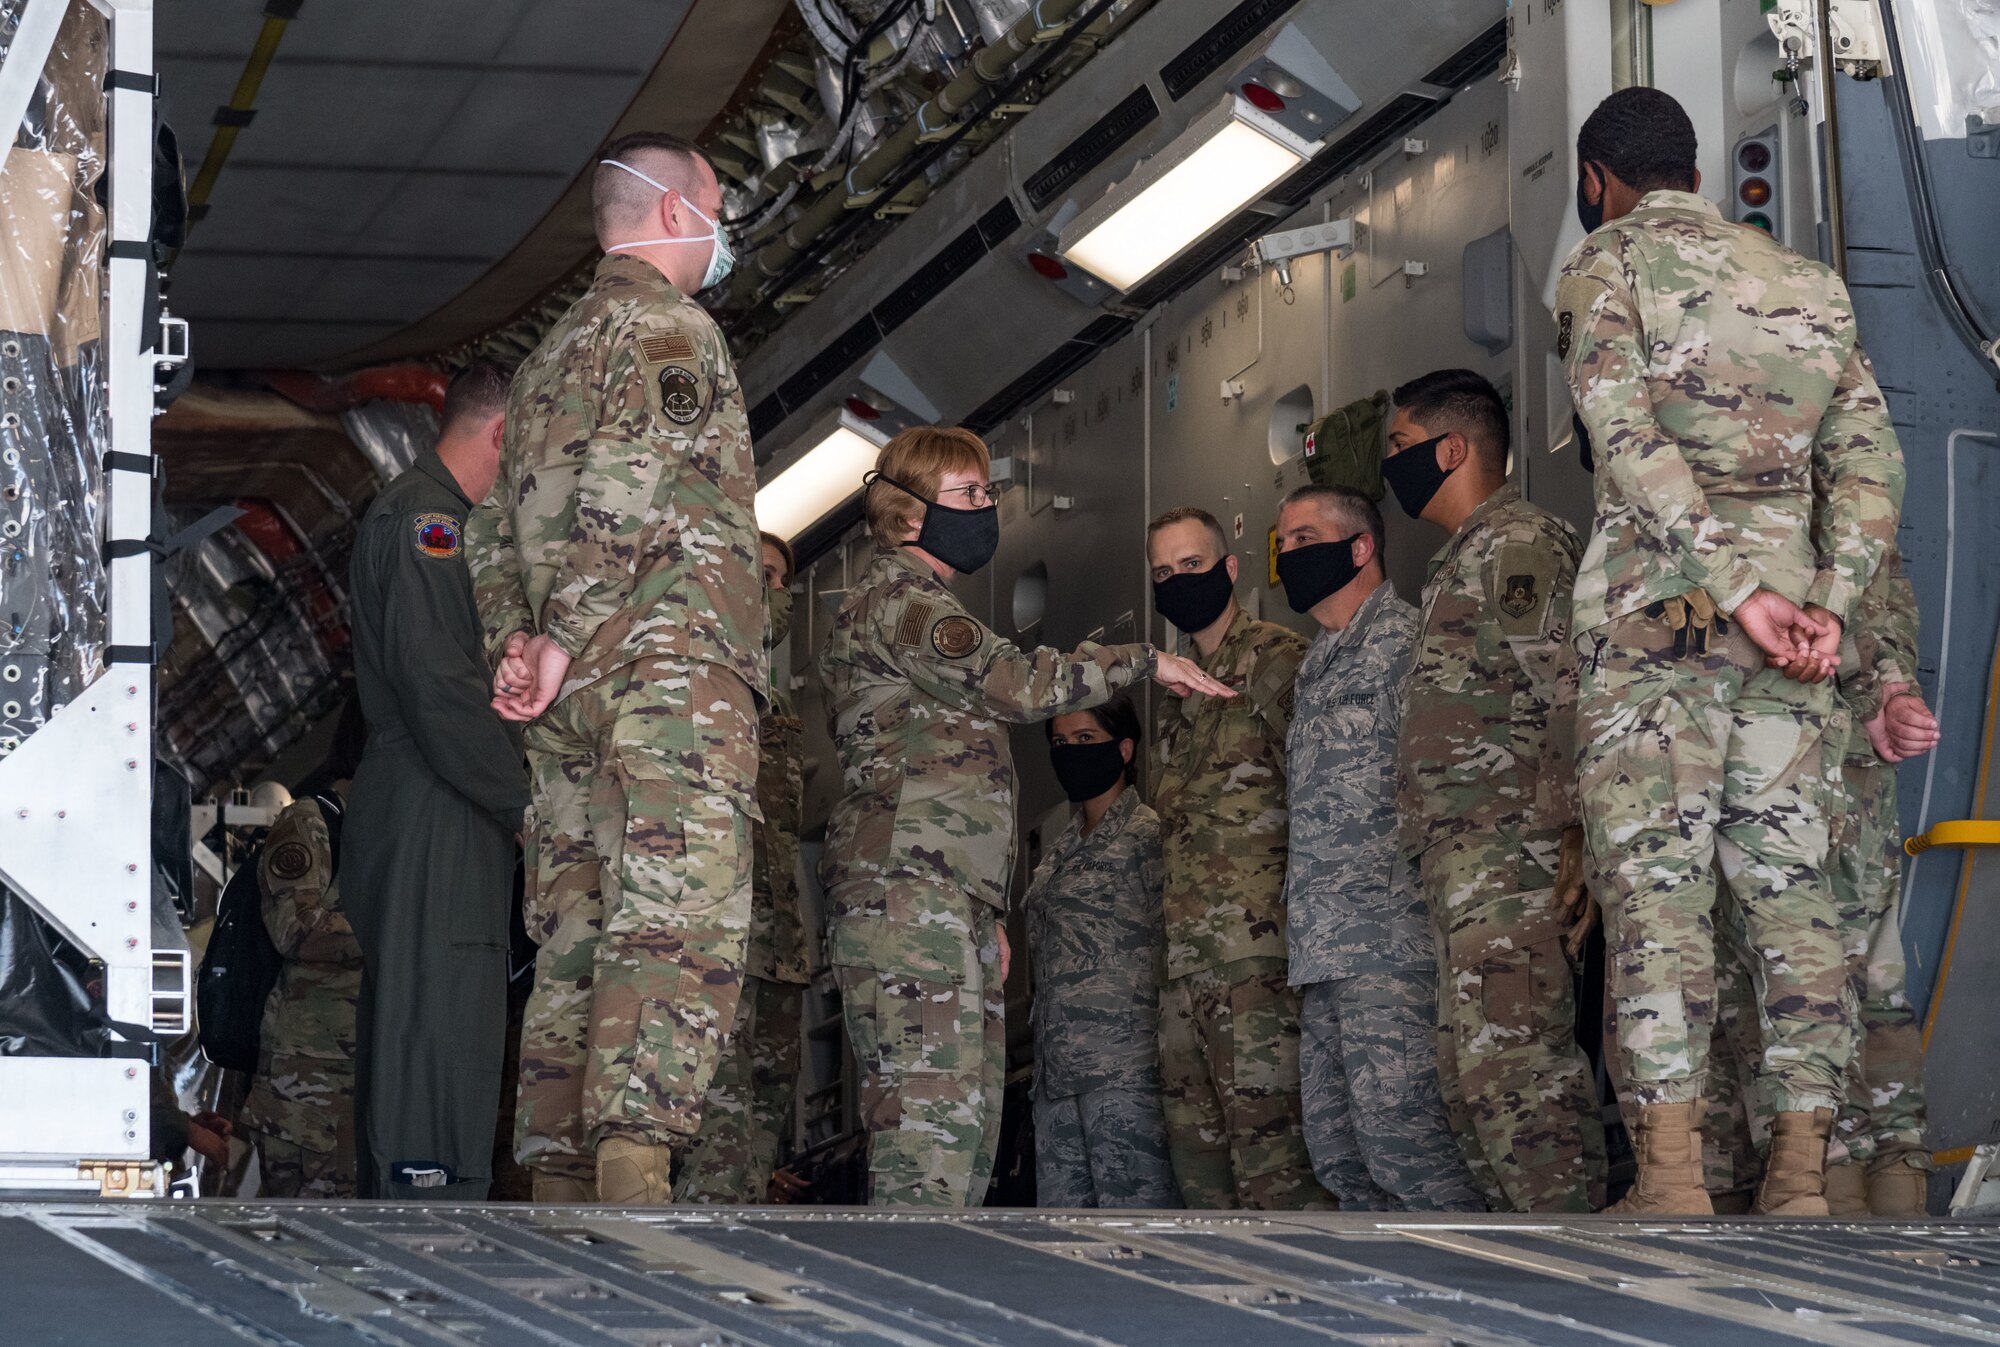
916, 619
681, 396
956, 636
1565, 333
291, 860
436, 534
1519, 596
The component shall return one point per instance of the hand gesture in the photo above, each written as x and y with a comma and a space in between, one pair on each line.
1904, 727
1570, 894
1184, 677
546, 666
1788, 634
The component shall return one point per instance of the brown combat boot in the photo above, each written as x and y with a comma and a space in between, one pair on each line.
1847, 1189
550, 1190
1667, 1145
634, 1173
1795, 1176
1898, 1188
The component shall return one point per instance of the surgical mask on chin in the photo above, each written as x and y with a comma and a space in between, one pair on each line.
720, 262
778, 622
964, 540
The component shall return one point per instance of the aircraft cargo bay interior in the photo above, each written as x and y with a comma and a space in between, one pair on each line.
999, 671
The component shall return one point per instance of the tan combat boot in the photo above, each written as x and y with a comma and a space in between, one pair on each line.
1667, 1145
1847, 1189
1898, 1188
550, 1190
1795, 1176
634, 1173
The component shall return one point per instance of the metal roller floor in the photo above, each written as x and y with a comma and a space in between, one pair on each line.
345, 1275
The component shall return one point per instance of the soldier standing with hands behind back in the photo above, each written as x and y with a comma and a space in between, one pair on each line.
617, 573
1716, 372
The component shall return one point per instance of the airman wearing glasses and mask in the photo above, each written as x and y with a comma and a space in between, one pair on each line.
920, 851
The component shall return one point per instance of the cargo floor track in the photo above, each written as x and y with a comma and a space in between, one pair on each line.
331, 1275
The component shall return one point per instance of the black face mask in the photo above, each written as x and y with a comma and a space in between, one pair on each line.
1193, 600
1086, 771
1312, 572
964, 540
1590, 216
1414, 475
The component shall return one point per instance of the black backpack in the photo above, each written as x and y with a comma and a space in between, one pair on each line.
241, 964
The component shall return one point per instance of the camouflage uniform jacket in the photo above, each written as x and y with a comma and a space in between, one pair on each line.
623, 524
1488, 741
919, 695
1352, 899
305, 1069
1219, 788
777, 948
1096, 945
1715, 370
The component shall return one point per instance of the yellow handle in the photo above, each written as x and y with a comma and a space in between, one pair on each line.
1962, 832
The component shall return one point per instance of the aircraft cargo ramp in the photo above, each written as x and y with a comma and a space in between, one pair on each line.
328, 1275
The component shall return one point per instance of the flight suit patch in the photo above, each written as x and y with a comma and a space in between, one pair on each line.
291, 860
680, 396
955, 637
436, 535
916, 617
1518, 599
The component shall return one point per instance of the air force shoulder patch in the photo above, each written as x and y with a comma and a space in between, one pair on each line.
436, 535
956, 636
680, 396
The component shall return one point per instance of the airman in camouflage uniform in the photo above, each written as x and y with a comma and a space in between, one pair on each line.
1715, 371
301, 1103
1359, 933
623, 531
1229, 1021
1485, 795
747, 1116
1096, 945
918, 857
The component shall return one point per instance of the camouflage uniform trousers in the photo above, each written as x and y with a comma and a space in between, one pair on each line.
1688, 766
919, 972
748, 1112
1376, 1123
1521, 1094
1881, 1119
1229, 1067
287, 1170
1104, 1148
1737, 1130
640, 860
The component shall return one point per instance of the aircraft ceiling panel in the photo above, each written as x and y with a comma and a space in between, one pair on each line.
397, 152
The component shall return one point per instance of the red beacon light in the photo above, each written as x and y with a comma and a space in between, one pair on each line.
864, 409
1263, 99
1048, 267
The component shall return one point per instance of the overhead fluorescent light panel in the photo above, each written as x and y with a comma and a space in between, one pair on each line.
1228, 158
825, 477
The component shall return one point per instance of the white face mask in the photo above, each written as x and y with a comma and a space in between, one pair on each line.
720, 262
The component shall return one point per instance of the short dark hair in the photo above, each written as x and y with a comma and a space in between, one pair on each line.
784, 550
1119, 719
477, 392
616, 194
1182, 514
1643, 136
1462, 400
1359, 511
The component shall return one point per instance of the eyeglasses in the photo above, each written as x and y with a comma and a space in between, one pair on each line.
977, 497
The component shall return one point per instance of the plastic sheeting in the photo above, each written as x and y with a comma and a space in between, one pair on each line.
1953, 49
391, 434
53, 429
